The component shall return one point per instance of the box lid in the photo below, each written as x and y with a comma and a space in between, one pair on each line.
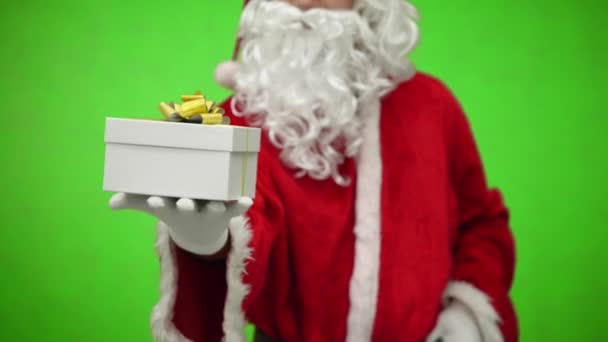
182, 135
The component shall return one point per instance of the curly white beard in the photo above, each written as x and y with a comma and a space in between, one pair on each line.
304, 73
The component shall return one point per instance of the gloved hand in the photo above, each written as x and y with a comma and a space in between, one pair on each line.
456, 323
200, 228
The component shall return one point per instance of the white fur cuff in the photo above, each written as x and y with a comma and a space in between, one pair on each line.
161, 323
234, 317
478, 302
163, 329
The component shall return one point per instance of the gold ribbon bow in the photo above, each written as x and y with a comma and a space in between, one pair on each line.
194, 109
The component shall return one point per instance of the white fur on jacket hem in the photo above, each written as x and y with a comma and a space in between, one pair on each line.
478, 302
234, 317
365, 278
161, 321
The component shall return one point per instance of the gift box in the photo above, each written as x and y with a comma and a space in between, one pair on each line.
174, 159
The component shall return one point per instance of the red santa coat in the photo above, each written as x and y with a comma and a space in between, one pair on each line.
314, 261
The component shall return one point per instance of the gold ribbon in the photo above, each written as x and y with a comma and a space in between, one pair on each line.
244, 165
194, 109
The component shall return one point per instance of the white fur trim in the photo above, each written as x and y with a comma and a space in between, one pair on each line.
478, 302
163, 329
234, 317
365, 278
161, 322
225, 74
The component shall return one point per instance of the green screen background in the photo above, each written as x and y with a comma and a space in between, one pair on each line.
532, 76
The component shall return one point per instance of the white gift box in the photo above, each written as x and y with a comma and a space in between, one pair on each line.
153, 157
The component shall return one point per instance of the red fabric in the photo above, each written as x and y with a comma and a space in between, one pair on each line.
485, 244
439, 222
200, 297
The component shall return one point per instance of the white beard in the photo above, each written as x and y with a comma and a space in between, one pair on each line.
304, 74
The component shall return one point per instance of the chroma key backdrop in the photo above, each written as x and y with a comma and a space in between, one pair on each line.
531, 75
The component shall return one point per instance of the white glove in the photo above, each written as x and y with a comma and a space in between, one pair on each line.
196, 227
456, 324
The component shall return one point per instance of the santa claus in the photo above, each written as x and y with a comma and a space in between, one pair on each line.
372, 219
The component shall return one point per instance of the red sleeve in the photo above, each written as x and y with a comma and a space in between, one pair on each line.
266, 221
203, 290
484, 252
